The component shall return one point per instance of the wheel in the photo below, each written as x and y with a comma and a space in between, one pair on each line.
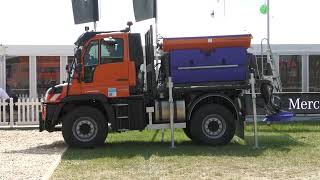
187, 130
84, 127
212, 124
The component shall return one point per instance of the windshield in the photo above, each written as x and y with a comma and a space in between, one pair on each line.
72, 67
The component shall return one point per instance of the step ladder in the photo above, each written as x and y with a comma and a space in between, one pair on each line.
122, 116
274, 78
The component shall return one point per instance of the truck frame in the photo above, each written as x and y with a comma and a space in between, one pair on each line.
113, 86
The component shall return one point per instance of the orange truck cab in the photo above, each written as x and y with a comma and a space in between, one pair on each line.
113, 86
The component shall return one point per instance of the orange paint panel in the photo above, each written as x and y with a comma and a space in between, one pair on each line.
111, 75
206, 42
111, 79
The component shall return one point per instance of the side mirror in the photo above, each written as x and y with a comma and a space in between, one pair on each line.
128, 28
110, 41
78, 67
129, 23
67, 67
78, 54
52, 84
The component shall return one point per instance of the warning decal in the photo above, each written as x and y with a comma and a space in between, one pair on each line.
112, 92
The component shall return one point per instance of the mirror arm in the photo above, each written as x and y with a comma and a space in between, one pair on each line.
79, 76
79, 70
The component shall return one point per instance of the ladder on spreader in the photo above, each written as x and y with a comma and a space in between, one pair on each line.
274, 77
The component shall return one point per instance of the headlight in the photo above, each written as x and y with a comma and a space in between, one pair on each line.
53, 94
47, 94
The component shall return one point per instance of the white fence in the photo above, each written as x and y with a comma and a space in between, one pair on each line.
23, 112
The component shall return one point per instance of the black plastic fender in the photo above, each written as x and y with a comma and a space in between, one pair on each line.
83, 98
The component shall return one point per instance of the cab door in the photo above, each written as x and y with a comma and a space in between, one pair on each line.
108, 74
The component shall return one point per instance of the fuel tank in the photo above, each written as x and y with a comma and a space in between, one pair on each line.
162, 111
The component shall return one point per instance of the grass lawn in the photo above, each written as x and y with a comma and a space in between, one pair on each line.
290, 150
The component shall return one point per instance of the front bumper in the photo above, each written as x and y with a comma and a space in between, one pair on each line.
50, 114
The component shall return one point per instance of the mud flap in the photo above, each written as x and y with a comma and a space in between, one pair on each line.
240, 128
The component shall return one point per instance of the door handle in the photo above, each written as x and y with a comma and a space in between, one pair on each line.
122, 79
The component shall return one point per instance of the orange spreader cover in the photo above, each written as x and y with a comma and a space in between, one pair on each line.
208, 42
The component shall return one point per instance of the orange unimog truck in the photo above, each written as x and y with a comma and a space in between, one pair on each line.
113, 85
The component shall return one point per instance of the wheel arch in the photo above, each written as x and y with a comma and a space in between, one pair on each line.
99, 102
212, 99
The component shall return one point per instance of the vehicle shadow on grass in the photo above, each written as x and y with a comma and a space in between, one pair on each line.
145, 149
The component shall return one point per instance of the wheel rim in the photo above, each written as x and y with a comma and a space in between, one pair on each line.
214, 126
85, 129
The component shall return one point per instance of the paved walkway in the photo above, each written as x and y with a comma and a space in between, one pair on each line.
29, 154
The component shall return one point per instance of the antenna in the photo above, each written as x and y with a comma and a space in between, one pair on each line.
224, 9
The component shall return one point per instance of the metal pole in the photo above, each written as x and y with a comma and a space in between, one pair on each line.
224, 7
156, 39
162, 135
170, 85
156, 21
95, 25
11, 120
254, 108
2, 74
268, 32
268, 22
3, 66
4, 70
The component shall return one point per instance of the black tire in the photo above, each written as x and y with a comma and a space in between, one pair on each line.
187, 130
212, 124
84, 127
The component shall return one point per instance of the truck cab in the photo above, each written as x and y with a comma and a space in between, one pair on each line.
104, 65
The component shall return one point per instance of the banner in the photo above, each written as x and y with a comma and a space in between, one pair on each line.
297, 102
85, 11
144, 9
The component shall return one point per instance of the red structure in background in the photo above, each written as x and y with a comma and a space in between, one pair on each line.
48, 69
17, 75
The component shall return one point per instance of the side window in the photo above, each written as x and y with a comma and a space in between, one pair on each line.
91, 57
112, 53
90, 61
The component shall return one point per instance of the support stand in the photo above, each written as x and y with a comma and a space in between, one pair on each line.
162, 135
254, 108
170, 86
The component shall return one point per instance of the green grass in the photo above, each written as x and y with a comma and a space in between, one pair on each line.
286, 151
